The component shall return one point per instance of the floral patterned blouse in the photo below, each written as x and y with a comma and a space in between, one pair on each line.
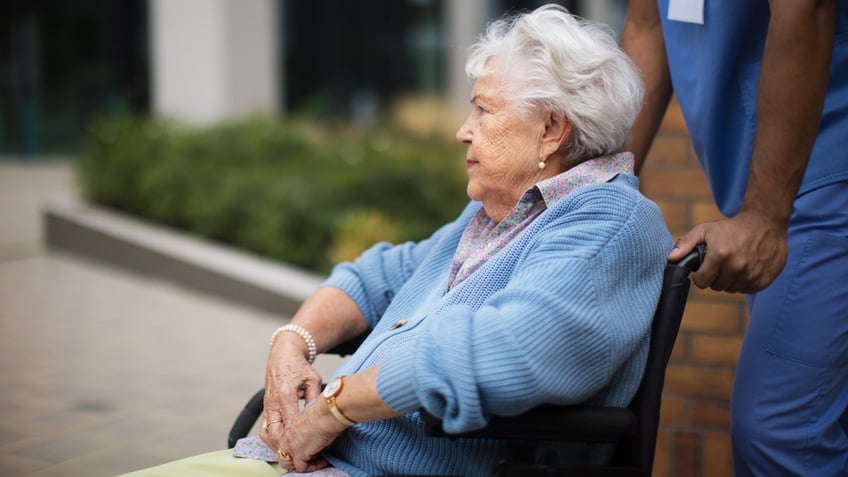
483, 237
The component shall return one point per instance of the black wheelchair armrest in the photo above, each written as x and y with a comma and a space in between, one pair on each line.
550, 422
246, 418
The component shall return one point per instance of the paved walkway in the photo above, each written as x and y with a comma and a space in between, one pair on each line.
103, 371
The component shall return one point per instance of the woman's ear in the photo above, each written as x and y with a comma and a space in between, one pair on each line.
557, 130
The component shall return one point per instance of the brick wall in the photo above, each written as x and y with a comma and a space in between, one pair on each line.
694, 437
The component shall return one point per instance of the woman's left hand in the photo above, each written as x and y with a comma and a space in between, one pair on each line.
309, 433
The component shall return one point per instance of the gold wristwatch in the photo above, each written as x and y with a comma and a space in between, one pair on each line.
331, 391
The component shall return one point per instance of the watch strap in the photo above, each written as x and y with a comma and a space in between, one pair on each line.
337, 413
330, 394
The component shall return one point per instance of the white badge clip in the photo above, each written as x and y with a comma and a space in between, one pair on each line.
689, 11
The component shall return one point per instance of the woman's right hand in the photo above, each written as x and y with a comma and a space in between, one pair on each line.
288, 378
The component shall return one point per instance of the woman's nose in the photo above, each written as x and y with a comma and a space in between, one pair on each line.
463, 135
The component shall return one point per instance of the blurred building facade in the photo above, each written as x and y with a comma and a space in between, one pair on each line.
63, 63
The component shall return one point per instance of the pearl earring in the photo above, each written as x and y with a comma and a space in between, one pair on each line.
542, 164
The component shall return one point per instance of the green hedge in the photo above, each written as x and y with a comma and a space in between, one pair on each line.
293, 191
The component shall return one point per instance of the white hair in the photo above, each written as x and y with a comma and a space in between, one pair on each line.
570, 67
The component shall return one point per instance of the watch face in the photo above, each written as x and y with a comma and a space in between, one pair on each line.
332, 388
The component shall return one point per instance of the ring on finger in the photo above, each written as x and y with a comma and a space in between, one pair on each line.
283, 455
267, 424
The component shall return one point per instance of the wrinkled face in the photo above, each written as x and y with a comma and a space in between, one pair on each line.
503, 143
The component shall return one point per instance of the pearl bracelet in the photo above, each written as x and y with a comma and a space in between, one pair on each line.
310, 342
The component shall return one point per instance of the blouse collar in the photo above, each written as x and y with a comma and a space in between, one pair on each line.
593, 171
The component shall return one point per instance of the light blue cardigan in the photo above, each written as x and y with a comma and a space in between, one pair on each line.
560, 315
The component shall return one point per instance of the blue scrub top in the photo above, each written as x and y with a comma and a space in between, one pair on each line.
715, 69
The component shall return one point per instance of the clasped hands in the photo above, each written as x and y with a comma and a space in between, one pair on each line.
296, 433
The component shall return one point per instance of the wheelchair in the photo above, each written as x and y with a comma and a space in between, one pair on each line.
629, 432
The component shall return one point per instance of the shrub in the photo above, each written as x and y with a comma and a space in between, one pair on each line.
297, 192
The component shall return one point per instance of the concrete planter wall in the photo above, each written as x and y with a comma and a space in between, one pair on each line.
129, 242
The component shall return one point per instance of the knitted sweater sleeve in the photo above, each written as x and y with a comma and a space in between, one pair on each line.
573, 311
374, 278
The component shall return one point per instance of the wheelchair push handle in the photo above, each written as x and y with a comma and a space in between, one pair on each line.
693, 260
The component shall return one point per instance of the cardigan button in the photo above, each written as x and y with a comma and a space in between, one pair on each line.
397, 325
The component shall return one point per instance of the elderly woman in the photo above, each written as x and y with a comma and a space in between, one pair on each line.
541, 291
